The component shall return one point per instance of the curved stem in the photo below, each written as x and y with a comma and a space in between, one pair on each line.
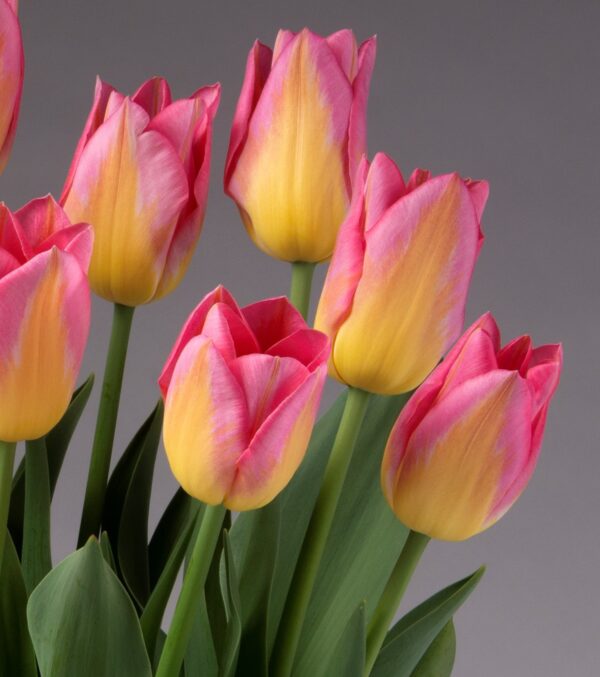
190, 596
7, 462
36, 554
106, 423
318, 530
302, 275
392, 595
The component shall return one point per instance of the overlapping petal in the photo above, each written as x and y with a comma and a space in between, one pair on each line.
11, 77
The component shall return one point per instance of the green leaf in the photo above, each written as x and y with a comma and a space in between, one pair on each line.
215, 604
231, 597
167, 533
57, 443
407, 642
200, 656
438, 660
82, 621
107, 552
127, 505
365, 542
349, 656
16, 654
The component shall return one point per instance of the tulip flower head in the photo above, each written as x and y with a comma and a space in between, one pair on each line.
395, 293
140, 177
44, 315
298, 134
11, 76
242, 388
467, 443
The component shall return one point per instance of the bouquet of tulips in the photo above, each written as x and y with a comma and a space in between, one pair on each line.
296, 538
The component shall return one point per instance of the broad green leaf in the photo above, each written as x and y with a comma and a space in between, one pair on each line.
167, 533
438, 660
348, 657
127, 504
16, 651
107, 552
215, 603
82, 621
407, 642
201, 657
57, 443
231, 598
365, 542
157, 602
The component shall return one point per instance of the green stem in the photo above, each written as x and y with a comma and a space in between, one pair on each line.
154, 610
302, 275
7, 462
392, 595
106, 423
190, 596
318, 531
36, 554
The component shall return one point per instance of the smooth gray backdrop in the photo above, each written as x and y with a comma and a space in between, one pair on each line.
502, 90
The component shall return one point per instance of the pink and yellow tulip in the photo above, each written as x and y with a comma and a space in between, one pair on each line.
467, 443
297, 137
44, 315
242, 388
11, 76
394, 297
140, 177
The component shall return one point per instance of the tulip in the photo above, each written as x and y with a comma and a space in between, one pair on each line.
11, 76
297, 137
394, 297
241, 389
140, 177
467, 443
44, 315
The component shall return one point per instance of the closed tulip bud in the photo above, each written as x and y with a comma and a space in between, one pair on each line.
394, 297
298, 134
242, 389
11, 76
467, 443
140, 177
44, 315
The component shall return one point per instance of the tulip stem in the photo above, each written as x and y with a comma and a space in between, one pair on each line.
302, 275
392, 595
106, 423
190, 596
7, 462
319, 527
36, 554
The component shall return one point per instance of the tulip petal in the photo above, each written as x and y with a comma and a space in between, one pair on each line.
410, 301
515, 356
102, 94
193, 327
206, 422
357, 126
343, 45
229, 332
153, 96
11, 78
131, 186
258, 67
12, 238
308, 346
346, 265
277, 448
282, 40
384, 186
44, 314
482, 431
297, 160
196, 158
272, 320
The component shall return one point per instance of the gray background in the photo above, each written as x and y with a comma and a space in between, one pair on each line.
502, 90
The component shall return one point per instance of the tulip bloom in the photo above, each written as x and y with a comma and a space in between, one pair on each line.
298, 134
394, 297
44, 315
140, 177
11, 76
242, 389
467, 443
